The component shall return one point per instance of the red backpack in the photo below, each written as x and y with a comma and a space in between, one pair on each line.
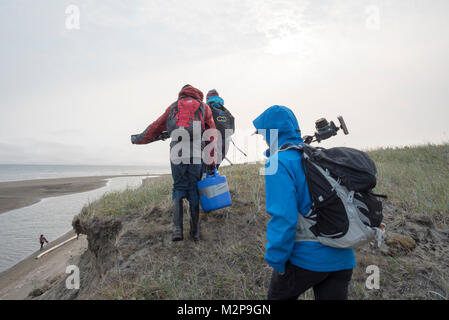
182, 114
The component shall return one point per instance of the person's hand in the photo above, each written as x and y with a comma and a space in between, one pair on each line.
210, 169
133, 138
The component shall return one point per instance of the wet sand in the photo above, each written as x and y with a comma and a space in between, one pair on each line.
19, 194
17, 282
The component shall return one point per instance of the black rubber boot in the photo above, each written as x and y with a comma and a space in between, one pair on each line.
177, 220
195, 223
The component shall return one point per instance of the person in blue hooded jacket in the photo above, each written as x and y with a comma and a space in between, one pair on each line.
298, 265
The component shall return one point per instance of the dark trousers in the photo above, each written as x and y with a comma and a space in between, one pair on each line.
42, 245
296, 280
185, 180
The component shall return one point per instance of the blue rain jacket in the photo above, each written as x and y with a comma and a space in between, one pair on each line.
287, 194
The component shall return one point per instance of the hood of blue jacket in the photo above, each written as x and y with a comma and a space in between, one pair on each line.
215, 100
282, 119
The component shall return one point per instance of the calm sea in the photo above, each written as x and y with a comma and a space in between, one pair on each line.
20, 229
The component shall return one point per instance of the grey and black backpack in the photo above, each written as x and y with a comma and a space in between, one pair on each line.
345, 212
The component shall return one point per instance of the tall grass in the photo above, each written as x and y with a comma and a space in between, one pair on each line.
119, 203
416, 179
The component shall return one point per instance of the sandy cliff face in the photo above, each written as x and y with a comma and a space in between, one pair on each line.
118, 250
96, 262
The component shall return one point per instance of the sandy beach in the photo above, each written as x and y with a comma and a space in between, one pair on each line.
17, 282
19, 194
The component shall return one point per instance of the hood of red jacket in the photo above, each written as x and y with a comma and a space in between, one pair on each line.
191, 92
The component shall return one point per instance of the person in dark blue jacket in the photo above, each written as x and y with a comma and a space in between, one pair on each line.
224, 122
298, 265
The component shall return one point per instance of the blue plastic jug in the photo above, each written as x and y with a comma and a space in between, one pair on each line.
214, 192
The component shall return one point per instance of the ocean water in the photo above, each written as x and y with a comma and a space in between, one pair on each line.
14, 172
20, 229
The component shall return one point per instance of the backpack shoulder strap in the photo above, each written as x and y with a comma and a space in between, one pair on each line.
201, 108
305, 149
199, 113
174, 108
289, 146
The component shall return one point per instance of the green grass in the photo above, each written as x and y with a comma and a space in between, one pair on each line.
416, 179
119, 203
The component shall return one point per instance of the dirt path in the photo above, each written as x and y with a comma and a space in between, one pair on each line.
31, 273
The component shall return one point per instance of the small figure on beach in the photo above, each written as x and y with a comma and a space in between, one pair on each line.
42, 241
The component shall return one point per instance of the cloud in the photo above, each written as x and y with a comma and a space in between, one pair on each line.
80, 94
39, 152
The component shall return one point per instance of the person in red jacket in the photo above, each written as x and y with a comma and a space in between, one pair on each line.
42, 240
186, 120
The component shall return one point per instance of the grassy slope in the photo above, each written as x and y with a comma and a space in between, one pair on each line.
416, 180
229, 262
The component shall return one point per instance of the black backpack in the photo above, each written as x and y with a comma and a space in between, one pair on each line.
345, 212
223, 119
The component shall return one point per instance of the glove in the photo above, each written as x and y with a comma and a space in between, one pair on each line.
210, 169
134, 138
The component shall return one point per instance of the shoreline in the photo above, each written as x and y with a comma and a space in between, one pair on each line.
30, 273
19, 194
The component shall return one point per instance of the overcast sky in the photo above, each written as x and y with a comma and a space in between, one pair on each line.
76, 95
